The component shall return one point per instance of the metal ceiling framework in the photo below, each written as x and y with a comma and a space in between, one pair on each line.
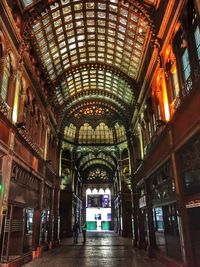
89, 48
100, 157
98, 174
91, 53
92, 163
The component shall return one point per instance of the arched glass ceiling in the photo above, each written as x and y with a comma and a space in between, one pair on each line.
70, 33
86, 80
94, 96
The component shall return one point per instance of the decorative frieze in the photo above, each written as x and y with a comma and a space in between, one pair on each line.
25, 178
161, 184
26, 135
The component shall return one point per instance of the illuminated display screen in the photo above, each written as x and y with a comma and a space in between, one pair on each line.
101, 201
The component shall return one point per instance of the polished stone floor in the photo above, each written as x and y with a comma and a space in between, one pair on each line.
103, 249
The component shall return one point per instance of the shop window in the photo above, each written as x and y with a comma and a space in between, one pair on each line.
194, 225
44, 226
189, 162
158, 219
28, 230
192, 181
166, 230
186, 68
13, 234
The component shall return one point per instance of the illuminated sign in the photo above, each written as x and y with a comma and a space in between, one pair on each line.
193, 204
142, 202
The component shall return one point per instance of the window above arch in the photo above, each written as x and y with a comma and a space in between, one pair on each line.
70, 132
102, 134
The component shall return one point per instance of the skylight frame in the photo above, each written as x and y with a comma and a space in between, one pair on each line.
70, 33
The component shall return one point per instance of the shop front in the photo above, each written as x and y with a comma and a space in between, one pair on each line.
18, 232
166, 220
189, 160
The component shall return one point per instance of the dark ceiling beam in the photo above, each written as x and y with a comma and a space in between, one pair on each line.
65, 116
115, 101
91, 162
83, 105
109, 159
109, 171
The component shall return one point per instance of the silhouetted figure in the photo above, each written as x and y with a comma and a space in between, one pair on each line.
84, 228
76, 230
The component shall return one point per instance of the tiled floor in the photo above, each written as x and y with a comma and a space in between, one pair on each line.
100, 250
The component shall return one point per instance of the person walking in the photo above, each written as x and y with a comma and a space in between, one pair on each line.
84, 228
76, 230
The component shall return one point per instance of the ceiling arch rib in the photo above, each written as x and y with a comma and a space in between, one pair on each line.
96, 80
71, 112
93, 109
93, 95
93, 112
101, 157
96, 162
98, 66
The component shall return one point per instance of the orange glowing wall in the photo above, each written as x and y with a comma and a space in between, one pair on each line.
159, 94
165, 100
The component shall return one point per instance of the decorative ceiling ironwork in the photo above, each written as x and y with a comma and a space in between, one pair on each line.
69, 33
91, 53
97, 174
101, 158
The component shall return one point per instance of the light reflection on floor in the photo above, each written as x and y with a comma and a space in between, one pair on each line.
102, 249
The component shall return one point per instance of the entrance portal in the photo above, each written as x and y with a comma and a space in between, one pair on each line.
98, 210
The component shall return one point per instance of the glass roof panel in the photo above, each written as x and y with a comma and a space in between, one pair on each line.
87, 80
74, 32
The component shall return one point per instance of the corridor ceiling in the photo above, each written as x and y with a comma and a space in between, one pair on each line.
91, 53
